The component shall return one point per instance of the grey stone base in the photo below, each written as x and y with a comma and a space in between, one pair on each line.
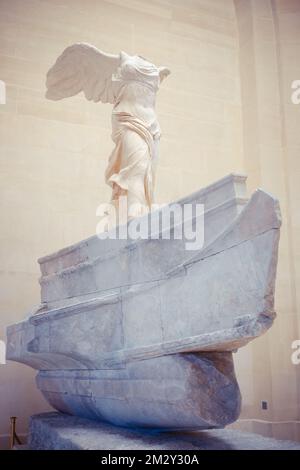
57, 431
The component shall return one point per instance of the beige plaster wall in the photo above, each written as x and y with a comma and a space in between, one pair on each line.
214, 119
269, 37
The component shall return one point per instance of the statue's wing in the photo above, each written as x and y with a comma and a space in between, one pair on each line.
82, 67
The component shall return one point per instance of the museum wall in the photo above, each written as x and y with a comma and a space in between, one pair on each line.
269, 37
225, 108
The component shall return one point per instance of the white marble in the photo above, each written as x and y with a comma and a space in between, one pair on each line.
142, 334
78, 269
130, 84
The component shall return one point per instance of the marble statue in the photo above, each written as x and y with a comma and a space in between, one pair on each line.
141, 333
130, 84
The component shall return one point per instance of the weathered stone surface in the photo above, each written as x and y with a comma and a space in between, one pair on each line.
79, 269
54, 431
118, 315
179, 391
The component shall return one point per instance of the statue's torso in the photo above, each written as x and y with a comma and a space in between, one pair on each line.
136, 83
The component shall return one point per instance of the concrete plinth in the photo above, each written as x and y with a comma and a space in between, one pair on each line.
57, 431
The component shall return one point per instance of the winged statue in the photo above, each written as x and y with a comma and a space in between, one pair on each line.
130, 84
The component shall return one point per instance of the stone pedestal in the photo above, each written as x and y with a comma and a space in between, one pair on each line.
55, 431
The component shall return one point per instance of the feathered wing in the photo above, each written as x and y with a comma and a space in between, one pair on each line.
82, 67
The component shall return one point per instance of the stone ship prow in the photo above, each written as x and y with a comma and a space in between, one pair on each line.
141, 333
